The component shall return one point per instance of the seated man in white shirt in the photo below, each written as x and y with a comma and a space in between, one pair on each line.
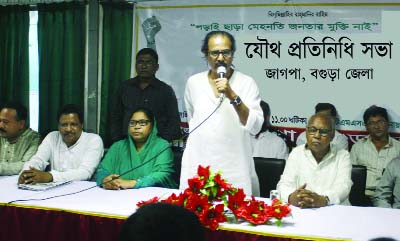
317, 174
267, 143
339, 140
71, 153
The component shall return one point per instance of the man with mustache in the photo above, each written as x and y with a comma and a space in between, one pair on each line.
71, 153
222, 141
317, 173
145, 90
18, 142
377, 149
339, 140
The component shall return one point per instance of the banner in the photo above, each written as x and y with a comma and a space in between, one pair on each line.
299, 54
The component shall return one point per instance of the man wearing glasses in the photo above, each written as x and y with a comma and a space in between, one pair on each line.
339, 140
145, 90
317, 173
222, 141
377, 149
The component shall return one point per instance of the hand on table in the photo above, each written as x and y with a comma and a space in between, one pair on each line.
113, 182
33, 176
304, 198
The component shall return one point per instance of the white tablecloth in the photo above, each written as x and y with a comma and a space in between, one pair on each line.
333, 222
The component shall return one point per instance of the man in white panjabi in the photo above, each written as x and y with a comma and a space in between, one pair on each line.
224, 140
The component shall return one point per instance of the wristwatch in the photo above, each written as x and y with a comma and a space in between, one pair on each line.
236, 101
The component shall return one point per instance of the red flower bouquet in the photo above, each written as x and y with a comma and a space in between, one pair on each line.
209, 196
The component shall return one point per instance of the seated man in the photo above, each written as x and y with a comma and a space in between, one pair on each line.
18, 142
71, 153
387, 193
317, 174
267, 143
339, 140
162, 221
377, 149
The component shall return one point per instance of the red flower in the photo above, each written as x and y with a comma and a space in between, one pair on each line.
195, 184
174, 199
212, 216
254, 212
152, 200
197, 203
222, 183
203, 172
278, 210
236, 200
207, 188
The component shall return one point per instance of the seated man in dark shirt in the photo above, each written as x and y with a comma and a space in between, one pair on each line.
145, 90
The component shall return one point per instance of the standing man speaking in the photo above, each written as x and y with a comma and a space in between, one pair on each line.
223, 141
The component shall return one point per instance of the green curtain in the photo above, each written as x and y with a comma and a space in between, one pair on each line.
62, 42
14, 54
117, 52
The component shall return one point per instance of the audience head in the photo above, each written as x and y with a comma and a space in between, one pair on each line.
383, 239
326, 108
376, 121
70, 123
141, 125
147, 63
320, 132
13, 120
162, 221
218, 47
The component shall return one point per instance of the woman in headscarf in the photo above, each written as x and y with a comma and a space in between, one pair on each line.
142, 159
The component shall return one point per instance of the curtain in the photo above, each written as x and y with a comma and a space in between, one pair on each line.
14, 54
32, 2
62, 41
117, 52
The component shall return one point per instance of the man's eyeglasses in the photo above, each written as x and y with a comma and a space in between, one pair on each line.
376, 123
147, 63
227, 53
322, 131
133, 123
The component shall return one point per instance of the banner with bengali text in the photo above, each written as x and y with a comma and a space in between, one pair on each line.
299, 54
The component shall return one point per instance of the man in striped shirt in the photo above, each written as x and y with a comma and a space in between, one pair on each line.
18, 142
377, 149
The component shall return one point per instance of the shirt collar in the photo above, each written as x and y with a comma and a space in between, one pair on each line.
388, 145
332, 152
76, 143
154, 82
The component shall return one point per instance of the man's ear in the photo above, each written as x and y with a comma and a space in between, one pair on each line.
21, 124
333, 134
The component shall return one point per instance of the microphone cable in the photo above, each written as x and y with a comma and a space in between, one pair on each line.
128, 171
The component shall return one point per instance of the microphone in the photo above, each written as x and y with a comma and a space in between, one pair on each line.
221, 71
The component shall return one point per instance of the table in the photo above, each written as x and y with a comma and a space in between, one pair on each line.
97, 214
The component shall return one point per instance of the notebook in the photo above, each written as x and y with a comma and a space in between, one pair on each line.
42, 186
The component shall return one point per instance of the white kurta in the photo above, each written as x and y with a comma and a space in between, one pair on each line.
269, 145
222, 141
331, 177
